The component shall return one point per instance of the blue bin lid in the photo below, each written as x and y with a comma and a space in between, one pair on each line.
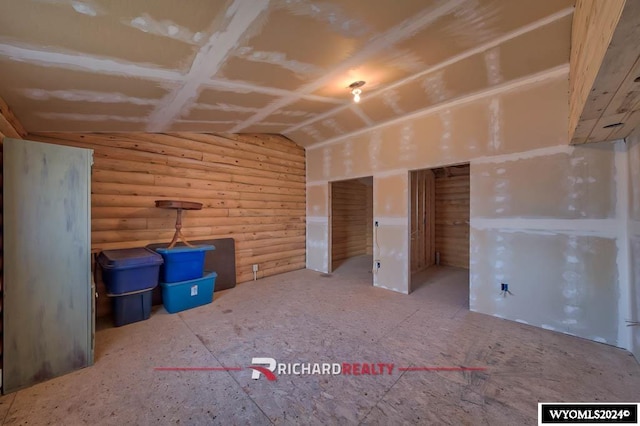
128, 258
185, 249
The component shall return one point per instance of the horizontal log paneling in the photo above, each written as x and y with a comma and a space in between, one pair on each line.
252, 188
349, 219
452, 216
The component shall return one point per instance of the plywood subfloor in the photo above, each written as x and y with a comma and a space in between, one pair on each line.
304, 317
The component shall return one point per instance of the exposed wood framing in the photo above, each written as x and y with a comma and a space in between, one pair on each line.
252, 188
605, 70
422, 220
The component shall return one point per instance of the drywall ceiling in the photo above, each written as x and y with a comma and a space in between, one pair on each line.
260, 66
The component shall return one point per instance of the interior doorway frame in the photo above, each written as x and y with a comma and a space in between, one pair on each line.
429, 259
331, 217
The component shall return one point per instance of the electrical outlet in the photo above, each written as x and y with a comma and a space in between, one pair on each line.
378, 264
255, 267
376, 224
504, 289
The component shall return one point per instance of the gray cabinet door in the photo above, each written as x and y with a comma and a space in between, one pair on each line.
48, 300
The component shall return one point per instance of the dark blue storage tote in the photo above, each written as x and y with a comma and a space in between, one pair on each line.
127, 270
131, 307
182, 263
184, 295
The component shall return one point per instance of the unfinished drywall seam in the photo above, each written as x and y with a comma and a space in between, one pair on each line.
395, 35
85, 96
540, 152
83, 62
607, 228
494, 43
331, 15
244, 87
165, 28
89, 117
208, 60
375, 151
358, 111
495, 138
318, 219
389, 173
571, 277
327, 163
551, 73
279, 59
108, 66
623, 259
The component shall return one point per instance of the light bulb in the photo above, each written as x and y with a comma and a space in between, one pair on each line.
356, 95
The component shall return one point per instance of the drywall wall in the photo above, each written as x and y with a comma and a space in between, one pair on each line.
633, 144
318, 236
348, 220
252, 188
452, 216
391, 211
544, 215
11, 127
545, 224
496, 123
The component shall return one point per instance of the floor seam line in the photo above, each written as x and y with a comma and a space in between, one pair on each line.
397, 326
228, 372
4, 419
382, 397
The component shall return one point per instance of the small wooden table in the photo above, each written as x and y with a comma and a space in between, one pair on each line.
179, 206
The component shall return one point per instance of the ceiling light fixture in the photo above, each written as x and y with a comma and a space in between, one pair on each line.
355, 90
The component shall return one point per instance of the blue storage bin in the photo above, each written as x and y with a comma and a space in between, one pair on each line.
127, 270
184, 295
182, 263
131, 307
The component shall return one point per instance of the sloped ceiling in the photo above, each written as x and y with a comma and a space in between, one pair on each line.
260, 66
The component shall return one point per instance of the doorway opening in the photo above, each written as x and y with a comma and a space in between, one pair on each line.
352, 226
440, 199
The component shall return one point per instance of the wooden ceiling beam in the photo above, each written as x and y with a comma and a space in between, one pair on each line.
10, 126
605, 70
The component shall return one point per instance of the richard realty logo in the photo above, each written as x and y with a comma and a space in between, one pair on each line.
270, 368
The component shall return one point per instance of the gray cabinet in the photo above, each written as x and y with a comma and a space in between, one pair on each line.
48, 296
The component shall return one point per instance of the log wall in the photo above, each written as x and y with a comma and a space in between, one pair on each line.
348, 220
252, 188
452, 216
